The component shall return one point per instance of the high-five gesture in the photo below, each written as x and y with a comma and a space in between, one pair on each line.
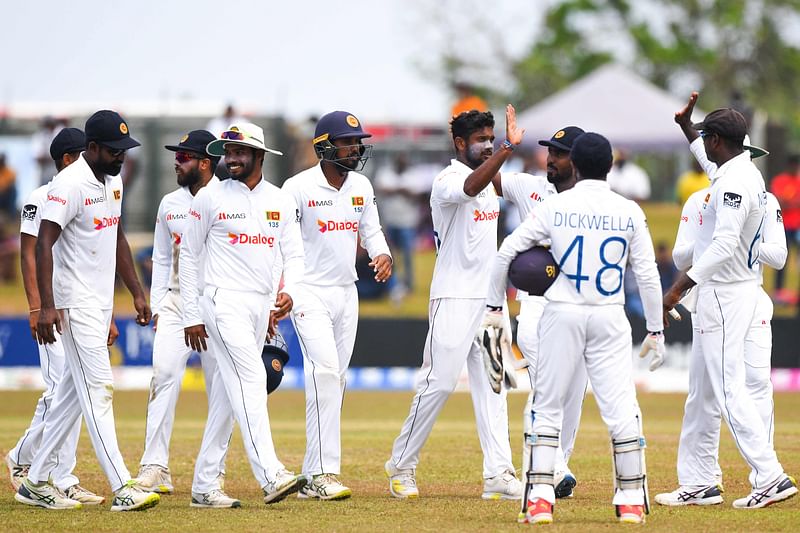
684, 118
513, 134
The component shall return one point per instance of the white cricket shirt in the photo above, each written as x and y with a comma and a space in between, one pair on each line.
241, 232
465, 232
88, 211
331, 221
31, 214
595, 234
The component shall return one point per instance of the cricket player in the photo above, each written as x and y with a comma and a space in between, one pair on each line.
65, 149
194, 169
594, 234
527, 192
239, 226
76, 286
465, 209
726, 267
336, 206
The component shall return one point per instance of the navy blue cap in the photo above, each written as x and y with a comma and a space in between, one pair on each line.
67, 141
339, 125
591, 153
194, 141
563, 138
109, 129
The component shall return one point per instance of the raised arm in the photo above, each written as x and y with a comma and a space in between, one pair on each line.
489, 170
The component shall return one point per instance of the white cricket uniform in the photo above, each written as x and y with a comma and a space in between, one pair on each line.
594, 234
51, 360
465, 230
240, 232
699, 444
325, 312
728, 277
526, 192
84, 264
170, 352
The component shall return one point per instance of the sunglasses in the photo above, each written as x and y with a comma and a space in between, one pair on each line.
233, 135
112, 152
183, 157
707, 133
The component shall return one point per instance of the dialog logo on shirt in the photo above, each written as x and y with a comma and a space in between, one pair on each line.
231, 216
334, 225
58, 199
29, 212
480, 216
92, 201
176, 238
246, 238
731, 199
273, 216
320, 203
105, 222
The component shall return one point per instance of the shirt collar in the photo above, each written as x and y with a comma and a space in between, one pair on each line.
592, 184
733, 162
322, 181
86, 171
460, 167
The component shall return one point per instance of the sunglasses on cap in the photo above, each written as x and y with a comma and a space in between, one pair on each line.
185, 157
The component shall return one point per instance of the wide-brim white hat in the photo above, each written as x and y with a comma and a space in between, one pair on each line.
244, 133
755, 151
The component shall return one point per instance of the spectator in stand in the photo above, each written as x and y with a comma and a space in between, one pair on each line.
786, 188
628, 179
399, 210
8, 189
689, 183
219, 124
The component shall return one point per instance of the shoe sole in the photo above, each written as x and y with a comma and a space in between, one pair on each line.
235, 505
150, 501
546, 519
35, 503
631, 519
98, 502
714, 500
158, 489
298, 483
564, 488
785, 495
497, 496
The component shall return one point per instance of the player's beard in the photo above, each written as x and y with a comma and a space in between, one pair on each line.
554, 175
187, 179
243, 173
477, 153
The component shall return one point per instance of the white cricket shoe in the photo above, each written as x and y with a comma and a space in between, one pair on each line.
402, 483
44, 495
132, 498
155, 478
686, 495
325, 487
285, 483
86, 497
783, 489
215, 499
563, 482
506, 486
16, 472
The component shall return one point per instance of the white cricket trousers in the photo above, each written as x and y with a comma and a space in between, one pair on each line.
236, 323
170, 354
453, 325
51, 361
87, 387
325, 319
530, 312
729, 377
599, 337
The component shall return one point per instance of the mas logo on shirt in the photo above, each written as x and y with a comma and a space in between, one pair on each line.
176, 216
480, 216
29, 212
358, 200
246, 238
117, 194
273, 216
92, 201
320, 203
105, 222
334, 225
231, 216
536, 197
731, 199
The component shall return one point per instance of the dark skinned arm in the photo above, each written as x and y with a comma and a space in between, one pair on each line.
49, 232
127, 273
684, 119
27, 259
489, 170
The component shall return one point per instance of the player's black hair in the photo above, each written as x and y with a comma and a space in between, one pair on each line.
591, 155
468, 122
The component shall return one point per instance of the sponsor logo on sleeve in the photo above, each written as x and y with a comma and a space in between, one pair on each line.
779, 216
29, 212
732, 200
297, 216
57, 199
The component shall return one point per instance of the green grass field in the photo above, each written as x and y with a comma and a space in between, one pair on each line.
449, 475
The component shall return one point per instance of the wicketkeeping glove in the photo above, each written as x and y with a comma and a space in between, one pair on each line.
491, 338
654, 342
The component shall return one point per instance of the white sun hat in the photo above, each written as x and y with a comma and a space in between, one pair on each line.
244, 133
